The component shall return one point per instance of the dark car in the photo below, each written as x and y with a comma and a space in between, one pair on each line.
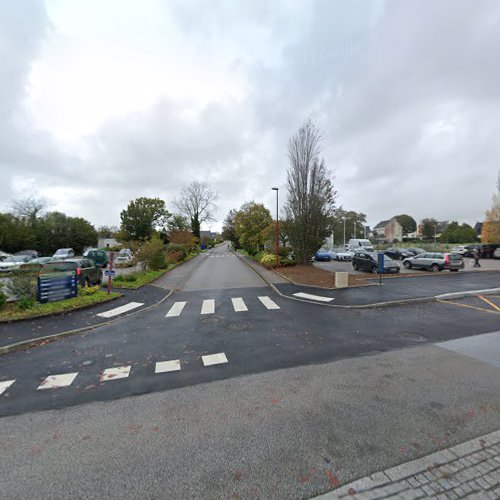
415, 251
86, 270
368, 261
100, 257
435, 261
322, 255
486, 251
397, 253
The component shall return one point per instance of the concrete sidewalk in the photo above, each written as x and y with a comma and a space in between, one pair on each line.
468, 470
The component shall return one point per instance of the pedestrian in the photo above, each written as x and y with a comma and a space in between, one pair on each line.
475, 254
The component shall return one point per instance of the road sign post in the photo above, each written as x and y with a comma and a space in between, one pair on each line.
111, 271
380, 266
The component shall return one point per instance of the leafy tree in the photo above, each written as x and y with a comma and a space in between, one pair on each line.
250, 224
408, 223
178, 223
283, 229
354, 225
197, 203
456, 233
310, 193
141, 218
428, 228
15, 235
107, 231
229, 229
491, 226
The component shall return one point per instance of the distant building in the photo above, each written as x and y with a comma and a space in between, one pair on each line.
388, 230
208, 234
107, 242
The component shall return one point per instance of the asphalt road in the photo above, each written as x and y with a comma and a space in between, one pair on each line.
310, 397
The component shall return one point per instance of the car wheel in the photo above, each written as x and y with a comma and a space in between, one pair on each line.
374, 270
407, 265
355, 266
435, 268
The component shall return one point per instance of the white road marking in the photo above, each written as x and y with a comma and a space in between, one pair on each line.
120, 310
214, 359
313, 297
5, 385
114, 373
208, 306
168, 366
176, 309
56, 381
269, 303
238, 304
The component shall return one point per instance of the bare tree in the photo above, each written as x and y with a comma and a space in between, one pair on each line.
310, 194
29, 208
197, 203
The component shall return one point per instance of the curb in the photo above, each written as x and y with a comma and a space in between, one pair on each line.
420, 300
56, 336
60, 313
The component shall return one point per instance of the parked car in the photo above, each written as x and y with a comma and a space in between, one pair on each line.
322, 255
124, 256
485, 250
35, 263
4, 255
397, 253
13, 262
435, 261
32, 254
100, 257
459, 249
415, 251
368, 261
86, 270
356, 244
496, 253
64, 253
341, 254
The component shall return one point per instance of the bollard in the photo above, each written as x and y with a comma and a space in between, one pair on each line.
341, 279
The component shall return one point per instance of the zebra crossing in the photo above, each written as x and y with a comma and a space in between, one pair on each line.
61, 380
208, 306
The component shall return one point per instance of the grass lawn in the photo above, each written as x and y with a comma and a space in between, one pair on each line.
11, 311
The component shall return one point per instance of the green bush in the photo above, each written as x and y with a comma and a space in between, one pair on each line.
284, 251
26, 303
152, 254
126, 278
3, 297
268, 259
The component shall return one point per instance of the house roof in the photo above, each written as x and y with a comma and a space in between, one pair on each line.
382, 224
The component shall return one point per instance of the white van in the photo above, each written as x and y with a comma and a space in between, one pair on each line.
355, 244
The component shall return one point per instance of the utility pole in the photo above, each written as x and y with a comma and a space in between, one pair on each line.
277, 243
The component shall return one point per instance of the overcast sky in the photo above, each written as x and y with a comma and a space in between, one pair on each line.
103, 102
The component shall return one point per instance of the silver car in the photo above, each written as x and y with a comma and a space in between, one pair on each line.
435, 261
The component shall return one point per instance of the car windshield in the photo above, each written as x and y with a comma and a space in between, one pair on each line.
61, 251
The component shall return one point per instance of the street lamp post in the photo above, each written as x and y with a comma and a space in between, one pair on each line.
344, 233
277, 244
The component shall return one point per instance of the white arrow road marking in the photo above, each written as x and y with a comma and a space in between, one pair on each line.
176, 309
5, 385
313, 297
56, 381
168, 366
269, 303
214, 359
120, 310
114, 373
238, 304
208, 306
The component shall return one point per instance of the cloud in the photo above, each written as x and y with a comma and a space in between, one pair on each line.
140, 103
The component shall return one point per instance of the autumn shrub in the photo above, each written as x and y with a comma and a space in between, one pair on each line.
177, 248
152, 254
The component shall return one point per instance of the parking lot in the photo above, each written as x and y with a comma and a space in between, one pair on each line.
333, 266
